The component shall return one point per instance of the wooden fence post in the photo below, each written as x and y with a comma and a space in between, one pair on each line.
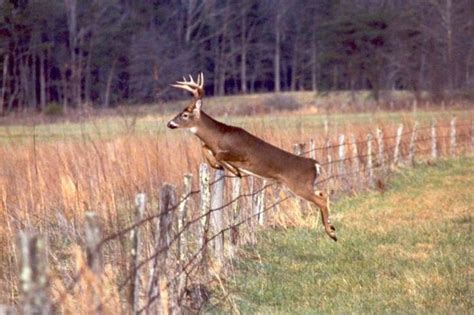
162, 279
412, 145
298, 148
277, 191
93, 235
342, 154
380, 144
181, 221
152, 279
140, 203
236, 209
329, 160
252, 222
261, 204
398, 140
312, 149
182, 217
217, 217
326, 128
355, 160
165, 279
205, 194
452, 134
434, 152
33, 267
7, 310
370, 168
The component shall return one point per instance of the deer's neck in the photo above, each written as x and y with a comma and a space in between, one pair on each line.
209, 130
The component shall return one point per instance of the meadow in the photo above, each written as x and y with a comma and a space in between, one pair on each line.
409, 250
52, 173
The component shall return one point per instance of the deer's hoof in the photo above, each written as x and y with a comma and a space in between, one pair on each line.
331, 232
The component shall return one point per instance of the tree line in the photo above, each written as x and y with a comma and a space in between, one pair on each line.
105, 52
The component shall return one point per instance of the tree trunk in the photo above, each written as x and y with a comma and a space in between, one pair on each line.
189, 21
109, 85
314, 69
78, 79
351, 73
15, 82
335, 77
71, 7
217, 61
222, 78
42, 81
25, 87
243, 53
4, 84
277, 53
449, 39
33, 80
87, 75
294, 66
243, 70
65, 92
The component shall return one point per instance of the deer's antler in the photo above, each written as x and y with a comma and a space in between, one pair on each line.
196, 88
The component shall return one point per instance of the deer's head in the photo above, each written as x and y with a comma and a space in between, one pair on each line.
189, 117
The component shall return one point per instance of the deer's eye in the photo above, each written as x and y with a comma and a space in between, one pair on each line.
185, 115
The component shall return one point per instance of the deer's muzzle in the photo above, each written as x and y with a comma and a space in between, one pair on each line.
172, 125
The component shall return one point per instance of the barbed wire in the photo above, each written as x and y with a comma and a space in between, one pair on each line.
178, 234
203, 248
410, 131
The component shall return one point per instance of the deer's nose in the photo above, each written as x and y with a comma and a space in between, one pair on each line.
172, 125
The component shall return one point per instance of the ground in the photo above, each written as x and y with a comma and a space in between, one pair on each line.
408, 250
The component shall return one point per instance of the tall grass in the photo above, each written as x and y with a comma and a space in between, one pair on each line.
47, 183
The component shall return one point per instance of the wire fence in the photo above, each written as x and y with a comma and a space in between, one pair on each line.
179, 252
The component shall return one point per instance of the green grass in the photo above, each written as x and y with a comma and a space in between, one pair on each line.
109, 127
407, 251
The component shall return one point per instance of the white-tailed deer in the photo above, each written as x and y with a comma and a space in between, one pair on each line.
234, 149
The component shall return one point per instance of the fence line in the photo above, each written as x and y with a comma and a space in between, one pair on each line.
178, 251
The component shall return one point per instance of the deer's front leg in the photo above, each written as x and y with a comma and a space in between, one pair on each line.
219, 164
211, 159
231, 168
226, 157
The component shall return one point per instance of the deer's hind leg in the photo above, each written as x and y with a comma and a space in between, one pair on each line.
321, 199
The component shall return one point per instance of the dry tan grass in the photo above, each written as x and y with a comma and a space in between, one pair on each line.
92, 293
49, 185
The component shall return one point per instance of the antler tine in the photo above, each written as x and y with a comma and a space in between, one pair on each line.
202, 80
192, 86
190, 83
187, 88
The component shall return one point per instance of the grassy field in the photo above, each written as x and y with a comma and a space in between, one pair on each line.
51, 174
154, 125
409, 250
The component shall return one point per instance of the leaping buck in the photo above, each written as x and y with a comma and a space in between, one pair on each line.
234, 149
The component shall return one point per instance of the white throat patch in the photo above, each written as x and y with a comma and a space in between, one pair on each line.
193, 130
